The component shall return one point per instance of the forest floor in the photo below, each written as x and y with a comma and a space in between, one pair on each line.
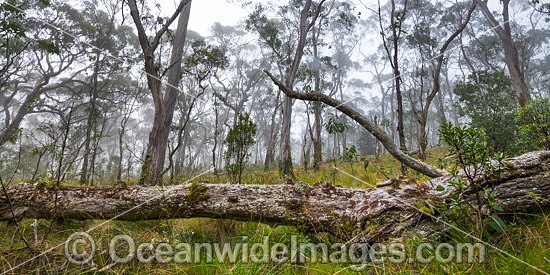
525, 243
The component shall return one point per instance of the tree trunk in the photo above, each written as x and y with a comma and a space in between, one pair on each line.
306, 147
153, 165
450, 92
40, 87
269, 153
285, 157
315, 135
95, 148
25, 108
360, 215
198, 149
216, 133
316, 138
91, 125
393, 57
377, 151
120, 152
392, 110
423, 135
440, 105
510, 53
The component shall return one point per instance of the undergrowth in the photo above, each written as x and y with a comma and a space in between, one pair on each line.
525, 243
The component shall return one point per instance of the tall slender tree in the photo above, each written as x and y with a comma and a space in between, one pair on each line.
397, 18
164, 101
504, 32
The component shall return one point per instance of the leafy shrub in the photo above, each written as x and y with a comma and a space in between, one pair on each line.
350, 155
489, 100
239, 140
534, 124
473, 157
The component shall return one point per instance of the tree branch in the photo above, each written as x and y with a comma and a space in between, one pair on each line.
160, 33
384, 138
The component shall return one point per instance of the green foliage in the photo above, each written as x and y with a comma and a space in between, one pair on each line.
489, 100
205, 61
350, 155
478, 170
48, 46
533, 121
238, 141
333, 126
267, 29
365, 164
15, 135
12, 31
10, 24
469, 143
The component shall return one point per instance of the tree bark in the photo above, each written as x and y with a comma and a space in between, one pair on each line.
153, 166
365, 215
215, 138
285, 157
269, 153
93, 117
316, 137
504, 32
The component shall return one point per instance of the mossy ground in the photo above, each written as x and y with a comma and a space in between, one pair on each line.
527, 237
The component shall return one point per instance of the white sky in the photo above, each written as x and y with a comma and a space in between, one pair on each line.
204, 13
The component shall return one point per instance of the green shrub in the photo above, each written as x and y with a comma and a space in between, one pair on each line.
239, 140
489, 100
479, 167
350, 155
534, 124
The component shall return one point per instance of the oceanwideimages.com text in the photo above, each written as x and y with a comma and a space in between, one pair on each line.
80, 249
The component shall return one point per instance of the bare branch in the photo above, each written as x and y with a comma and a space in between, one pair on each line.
384, 138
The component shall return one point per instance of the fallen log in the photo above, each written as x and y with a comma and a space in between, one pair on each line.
372, 214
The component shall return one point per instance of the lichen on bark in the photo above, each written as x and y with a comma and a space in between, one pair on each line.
197, 193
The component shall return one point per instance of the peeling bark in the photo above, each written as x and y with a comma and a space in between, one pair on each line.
351, 214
